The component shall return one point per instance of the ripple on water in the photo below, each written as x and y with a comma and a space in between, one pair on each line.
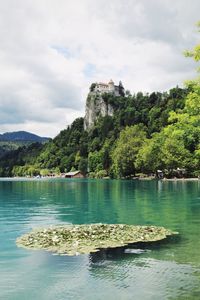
169, 270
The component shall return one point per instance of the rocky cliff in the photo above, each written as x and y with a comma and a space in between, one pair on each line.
95, 107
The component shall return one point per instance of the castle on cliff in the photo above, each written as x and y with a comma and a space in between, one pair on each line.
110, 87
96, 105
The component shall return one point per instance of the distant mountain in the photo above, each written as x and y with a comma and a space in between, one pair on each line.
22, 136
10, 141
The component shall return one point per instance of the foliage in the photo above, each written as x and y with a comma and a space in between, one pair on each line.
95, 161
101, 174
146, 132
82, 166
92, 87
149, 158
117, 145
126, 150
19, 158
7, 146
177, 144
195, 52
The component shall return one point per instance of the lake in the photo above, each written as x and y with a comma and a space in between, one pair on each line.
168, 269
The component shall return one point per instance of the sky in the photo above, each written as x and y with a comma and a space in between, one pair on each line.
52, 50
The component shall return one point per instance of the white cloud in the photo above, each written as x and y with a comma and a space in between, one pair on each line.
52, 50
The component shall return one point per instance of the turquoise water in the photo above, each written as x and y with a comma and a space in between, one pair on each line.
165, 270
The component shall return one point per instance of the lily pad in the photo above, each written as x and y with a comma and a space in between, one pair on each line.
84, 239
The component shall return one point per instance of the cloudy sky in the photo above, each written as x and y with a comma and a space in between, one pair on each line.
52, 50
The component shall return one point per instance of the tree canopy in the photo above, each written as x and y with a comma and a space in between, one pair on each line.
146, 132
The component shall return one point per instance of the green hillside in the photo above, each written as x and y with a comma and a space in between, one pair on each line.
10, 141
146, 132
141, 133
6, 146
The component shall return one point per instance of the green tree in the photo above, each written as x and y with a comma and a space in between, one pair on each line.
44, 172
95, 161
149, 158
174, 153
83, 165
127, 147
195, 52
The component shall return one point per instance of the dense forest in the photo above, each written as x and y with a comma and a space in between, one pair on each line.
147, 132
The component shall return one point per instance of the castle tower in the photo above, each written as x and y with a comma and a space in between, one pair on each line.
121, 89
111, 86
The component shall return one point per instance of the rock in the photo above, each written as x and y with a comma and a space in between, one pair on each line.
95, 107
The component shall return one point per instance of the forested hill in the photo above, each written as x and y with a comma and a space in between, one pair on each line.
22, 136
10, 141
146, 132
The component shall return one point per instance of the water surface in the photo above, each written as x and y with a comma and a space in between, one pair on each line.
165, 270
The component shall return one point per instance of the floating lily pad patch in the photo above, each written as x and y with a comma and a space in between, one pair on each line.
85, 239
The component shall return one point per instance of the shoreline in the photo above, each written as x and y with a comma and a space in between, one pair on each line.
170, 179
141, 178
180, 179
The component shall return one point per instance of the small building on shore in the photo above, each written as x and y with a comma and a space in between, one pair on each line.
75, 174
159, 174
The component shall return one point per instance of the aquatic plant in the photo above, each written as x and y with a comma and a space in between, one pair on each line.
84, 239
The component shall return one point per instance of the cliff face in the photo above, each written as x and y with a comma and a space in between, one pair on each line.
95, 107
